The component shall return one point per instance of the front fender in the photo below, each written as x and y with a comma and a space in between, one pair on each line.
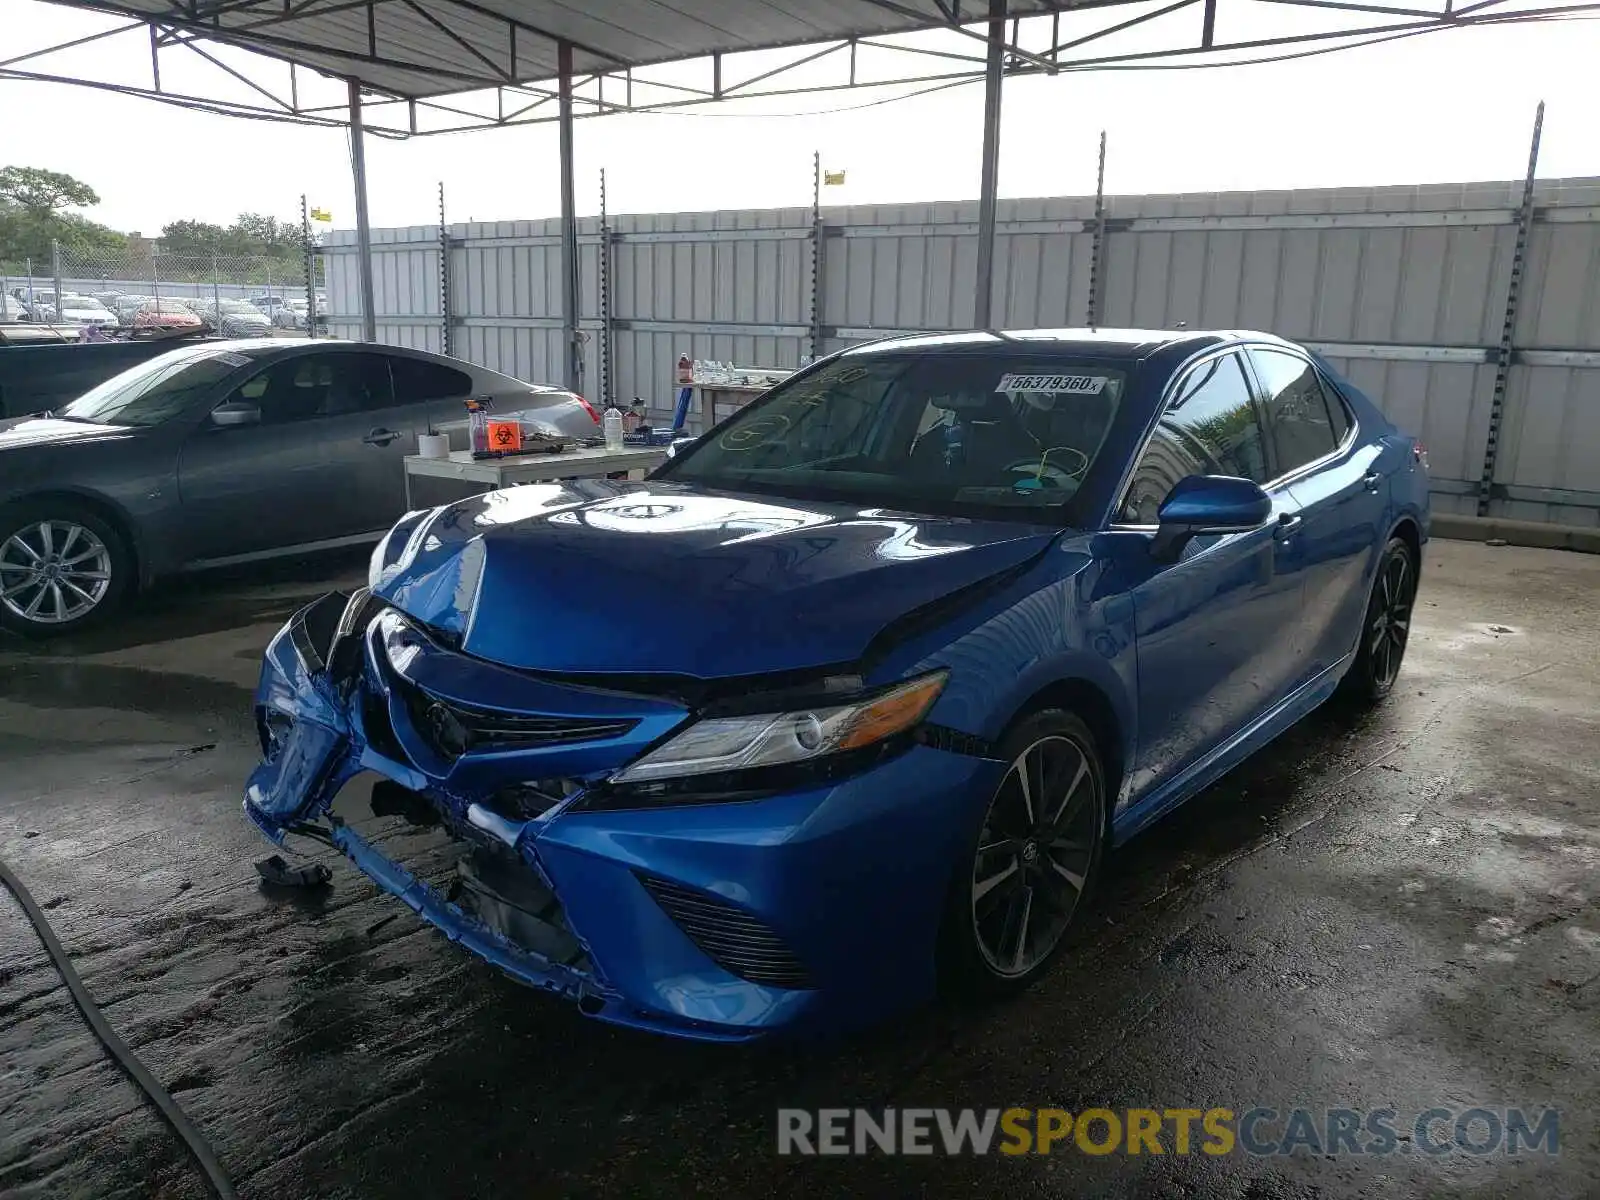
1064, 627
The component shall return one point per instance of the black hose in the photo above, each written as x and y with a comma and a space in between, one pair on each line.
116, 1047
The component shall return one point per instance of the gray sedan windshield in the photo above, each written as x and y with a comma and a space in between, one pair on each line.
156, 391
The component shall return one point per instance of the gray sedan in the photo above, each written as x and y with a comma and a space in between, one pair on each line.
225, 452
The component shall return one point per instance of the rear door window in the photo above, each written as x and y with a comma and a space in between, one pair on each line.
1299, 423
417, 380
309, 386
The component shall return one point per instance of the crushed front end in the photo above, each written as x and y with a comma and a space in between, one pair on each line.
721, 907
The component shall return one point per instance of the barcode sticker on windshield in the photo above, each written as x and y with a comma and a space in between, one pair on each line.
232, 359
1076, 385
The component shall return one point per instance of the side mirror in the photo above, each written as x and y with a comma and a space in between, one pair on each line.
1201, 504
234, 414
678, 445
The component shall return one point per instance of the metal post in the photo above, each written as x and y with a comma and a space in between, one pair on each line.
269, 279
358, 169
816, 254
1097, 252
155, 273
444, 277
216, 290
55, 274
32, 299
1508, 330
311, 269
993, 77
573, 373
607, 372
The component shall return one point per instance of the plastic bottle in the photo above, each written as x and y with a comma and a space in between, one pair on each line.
613, 428
478, 426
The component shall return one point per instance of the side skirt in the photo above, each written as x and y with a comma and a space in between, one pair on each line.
1208, 769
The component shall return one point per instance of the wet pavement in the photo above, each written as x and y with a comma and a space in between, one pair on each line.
1395, 909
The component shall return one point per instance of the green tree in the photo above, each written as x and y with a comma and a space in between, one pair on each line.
33, 220
197, 238
41, 192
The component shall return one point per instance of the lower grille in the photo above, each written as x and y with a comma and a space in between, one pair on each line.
451, 728
730, 937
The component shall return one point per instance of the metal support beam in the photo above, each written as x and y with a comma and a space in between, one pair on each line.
446, 340
993, 78
572, 374
358, 171
1508, 330
1097, 252
816, 255
310, 262
608, 372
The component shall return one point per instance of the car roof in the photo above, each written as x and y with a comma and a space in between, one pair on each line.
1067, 342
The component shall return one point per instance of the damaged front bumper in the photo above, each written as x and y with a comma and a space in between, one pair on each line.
714, 921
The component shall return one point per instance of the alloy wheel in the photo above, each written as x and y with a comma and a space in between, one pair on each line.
53, 572
1034, 855
1391, 620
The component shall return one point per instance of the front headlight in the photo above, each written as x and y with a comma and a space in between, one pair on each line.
719, 744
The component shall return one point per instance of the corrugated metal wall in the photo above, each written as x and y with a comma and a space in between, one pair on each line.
1404, 288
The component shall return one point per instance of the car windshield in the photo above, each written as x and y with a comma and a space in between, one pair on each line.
166, 306
240, 308
156, 391
983, 435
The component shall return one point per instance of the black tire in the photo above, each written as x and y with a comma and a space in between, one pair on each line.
980, 934
97, 548
1385, 627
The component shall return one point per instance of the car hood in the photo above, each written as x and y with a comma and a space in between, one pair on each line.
46, 431
595, 577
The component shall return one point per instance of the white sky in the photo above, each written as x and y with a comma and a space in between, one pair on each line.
1454, 106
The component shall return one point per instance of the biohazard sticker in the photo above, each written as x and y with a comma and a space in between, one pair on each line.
1071, 385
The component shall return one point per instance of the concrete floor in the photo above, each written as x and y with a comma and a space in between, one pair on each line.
1394, 909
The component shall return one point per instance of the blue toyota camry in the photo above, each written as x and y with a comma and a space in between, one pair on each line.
850, 699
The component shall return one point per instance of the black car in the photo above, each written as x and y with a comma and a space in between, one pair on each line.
224, 452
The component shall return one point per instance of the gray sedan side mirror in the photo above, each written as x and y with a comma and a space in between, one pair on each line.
233, 414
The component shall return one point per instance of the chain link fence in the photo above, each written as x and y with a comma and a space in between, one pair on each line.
149, 272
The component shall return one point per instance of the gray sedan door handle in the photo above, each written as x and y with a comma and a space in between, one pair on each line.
1372, 480
380, 437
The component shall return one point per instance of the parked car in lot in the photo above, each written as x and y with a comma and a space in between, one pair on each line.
126, 307
940, 620
292, 315
233, 318
74, 309
164, 313
223, 451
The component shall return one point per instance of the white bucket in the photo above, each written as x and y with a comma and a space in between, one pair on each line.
433, 445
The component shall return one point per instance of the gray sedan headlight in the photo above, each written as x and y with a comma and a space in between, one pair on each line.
718, 744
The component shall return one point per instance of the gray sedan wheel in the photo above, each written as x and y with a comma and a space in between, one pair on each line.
61, 567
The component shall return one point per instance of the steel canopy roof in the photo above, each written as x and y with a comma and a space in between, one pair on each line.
417, 49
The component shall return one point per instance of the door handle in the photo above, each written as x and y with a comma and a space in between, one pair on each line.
380, 437
1287, 524
1372, 479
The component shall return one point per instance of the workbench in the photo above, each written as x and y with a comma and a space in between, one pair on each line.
727, 397
534, 468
